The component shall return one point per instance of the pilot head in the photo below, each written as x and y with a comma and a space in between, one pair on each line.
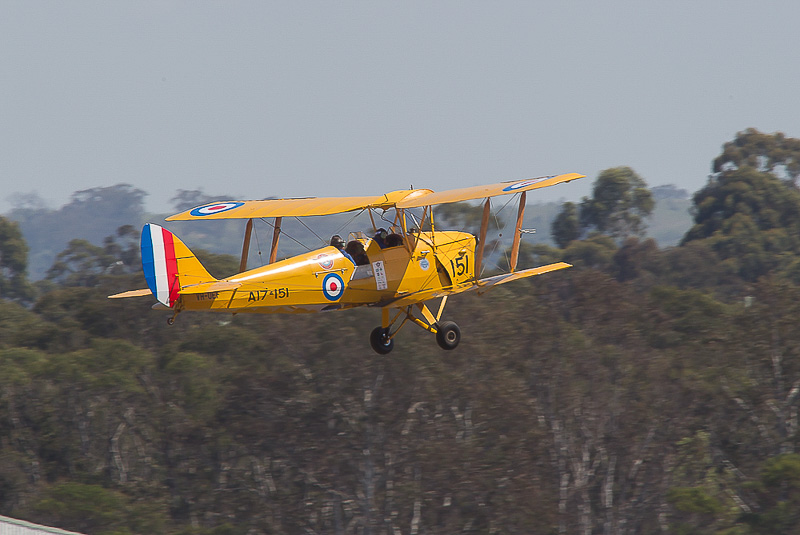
337, 241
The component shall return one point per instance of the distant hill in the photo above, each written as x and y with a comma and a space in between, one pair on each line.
670, 221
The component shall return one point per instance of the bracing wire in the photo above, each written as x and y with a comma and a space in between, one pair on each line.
349, 222
311, 231
283, 233
496, 220
298, 242
508, 258
495, 215
258, 246
505, 251
382, 217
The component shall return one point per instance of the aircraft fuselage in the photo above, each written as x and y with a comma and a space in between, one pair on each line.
324, 279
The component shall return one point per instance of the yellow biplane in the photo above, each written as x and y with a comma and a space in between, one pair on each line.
397, 270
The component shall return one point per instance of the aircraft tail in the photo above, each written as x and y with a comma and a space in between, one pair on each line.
169, 265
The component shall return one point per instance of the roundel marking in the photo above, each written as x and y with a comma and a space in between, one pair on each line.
332, 286
215, 208
525, 183
324, 261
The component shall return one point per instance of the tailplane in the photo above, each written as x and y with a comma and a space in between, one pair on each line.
169, 265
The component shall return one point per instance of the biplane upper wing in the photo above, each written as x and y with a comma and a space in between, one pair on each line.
317, 206
311, 206
480, 192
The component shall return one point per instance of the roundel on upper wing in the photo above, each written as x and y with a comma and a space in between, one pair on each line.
215, 208
332, 286
525, 183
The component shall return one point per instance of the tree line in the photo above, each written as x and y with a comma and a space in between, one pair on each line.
646, 390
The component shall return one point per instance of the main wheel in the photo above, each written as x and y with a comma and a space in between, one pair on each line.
380, 341
448, 335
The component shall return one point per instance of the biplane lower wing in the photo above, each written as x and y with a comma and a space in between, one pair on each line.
484, 285
481, 286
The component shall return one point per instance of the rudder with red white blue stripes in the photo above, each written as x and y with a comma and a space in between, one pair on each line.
160, 263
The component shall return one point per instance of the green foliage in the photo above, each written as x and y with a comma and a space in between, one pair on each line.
771, 153
634, 258
705, 505
566, 226
94, 509
193, 385
19, 327
778, 497
13, 262
260, 423
751, 220
783, 472
693, 500
643, 390
693, 314
747, 213
594, 252
761, 199
531, 255
620, 204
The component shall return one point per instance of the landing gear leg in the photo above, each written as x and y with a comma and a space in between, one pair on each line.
448, 335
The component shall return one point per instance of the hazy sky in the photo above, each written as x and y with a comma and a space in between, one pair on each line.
296, 98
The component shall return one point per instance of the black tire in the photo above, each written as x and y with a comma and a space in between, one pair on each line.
380, 341
448, 335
